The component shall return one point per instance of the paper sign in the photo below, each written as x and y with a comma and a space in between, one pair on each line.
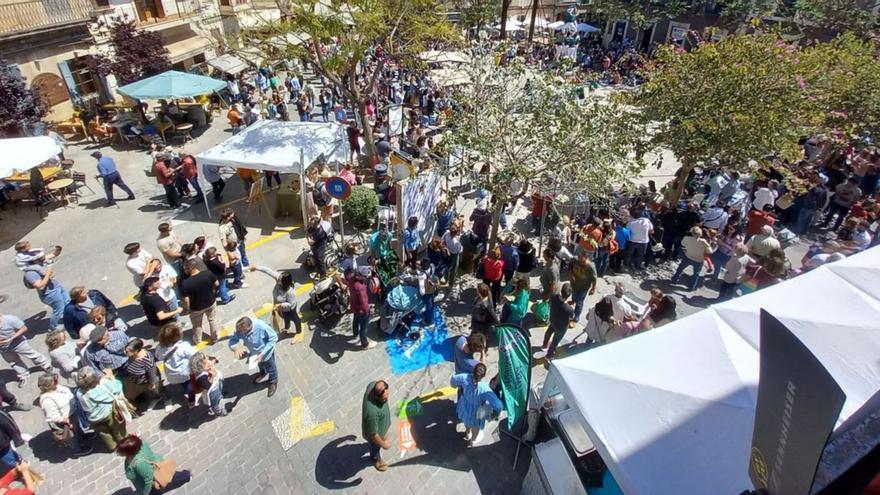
253, 362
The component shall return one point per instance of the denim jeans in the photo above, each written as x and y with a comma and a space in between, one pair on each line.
804, 220
686, 262
267, 367
359, 324
198, 187
241, 250
235, 268
223, 291
635, 254
214, 397
171, 195
578, 297
115, 179
602, 259
56, 299
375, 452
719, 259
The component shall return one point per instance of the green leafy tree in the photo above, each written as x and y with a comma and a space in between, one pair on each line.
524, 127
21, 105
857, 16
474, 15
135, 54
354, 28
726, 103
646, 12
842, 79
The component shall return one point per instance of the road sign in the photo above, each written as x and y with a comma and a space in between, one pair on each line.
338, 188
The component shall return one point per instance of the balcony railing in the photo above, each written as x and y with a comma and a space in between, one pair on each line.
40, 14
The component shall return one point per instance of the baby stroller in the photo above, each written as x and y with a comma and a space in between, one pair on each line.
328, 299
402, 303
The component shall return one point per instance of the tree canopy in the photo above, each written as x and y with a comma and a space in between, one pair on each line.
522, 126
135, 54
349, 43
22, 105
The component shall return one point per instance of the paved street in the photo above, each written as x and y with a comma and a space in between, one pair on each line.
305, 439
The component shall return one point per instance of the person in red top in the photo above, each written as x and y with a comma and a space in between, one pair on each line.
354, 136
164, 173
591, 237
360, 304
758, 219
190, 171
17, 474
493, 273
538, 203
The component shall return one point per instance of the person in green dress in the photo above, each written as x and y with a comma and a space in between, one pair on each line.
375, 421
140, 464
517, 309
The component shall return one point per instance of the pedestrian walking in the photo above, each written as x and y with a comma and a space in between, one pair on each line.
375, 421
40, 276
561, 315
212, 175
110, 175
476, 402
198, 295
175, 355
360, 304
165, 175
283, 297
146, 470
190, 170
258, 339
232, 230
14, 346
210, 380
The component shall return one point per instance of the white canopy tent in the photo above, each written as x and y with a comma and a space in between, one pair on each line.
228, 63
442, 57
284, 147
449, 77
23, 154
672, 410
287, 147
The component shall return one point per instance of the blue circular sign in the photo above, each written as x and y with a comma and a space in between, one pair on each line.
338, 188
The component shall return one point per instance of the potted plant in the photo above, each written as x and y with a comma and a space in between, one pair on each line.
361, 207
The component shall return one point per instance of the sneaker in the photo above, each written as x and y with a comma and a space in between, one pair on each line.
370, 345
381, 466
272, 388
479, 437
22, 381
169, 407
20, 406
243, 285
260, 378
27, 437
84, 451
231, 298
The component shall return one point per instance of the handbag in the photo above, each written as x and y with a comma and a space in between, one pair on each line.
163, 473
123, 410
32, 475
541, 310
277, 323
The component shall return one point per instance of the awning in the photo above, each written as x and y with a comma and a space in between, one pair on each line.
229, 64
438, 57
184, 49
295, 39
449, 77
22, 154
171, 84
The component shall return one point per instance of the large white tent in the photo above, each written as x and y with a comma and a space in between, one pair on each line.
23, 154
672, 410
287, 147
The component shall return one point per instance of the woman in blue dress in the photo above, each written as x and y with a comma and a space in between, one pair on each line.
476, 402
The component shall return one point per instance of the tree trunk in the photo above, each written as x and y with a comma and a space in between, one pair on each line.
496, 223
360, 105
534, 15
505, 4
686, 168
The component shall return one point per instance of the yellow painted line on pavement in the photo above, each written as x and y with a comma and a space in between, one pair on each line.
436, 394
128, 300
321, 428
296, 410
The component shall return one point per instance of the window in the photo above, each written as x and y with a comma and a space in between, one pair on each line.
102, 3
83, 77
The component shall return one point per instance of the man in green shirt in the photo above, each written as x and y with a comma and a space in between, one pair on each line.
375, 421
583, 281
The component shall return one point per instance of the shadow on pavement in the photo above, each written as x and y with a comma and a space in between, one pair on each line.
340, 461
330, 345
434, 432
184, 419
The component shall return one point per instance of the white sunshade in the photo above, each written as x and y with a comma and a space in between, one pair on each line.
586, 28
449, 77
672, 410
22, 154
275, 145
438, 57
228, 63
555, 25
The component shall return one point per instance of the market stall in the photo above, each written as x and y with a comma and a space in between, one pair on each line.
283, 147
672, 410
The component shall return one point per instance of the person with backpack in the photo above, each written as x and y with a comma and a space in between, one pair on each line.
232, 230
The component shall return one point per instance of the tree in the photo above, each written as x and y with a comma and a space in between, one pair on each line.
135, 54
354, 28
857, 16
842, 80
527, 127
725, 103
643, 13
22, 105
476, 14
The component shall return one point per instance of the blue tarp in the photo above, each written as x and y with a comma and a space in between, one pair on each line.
171, 84
407, 355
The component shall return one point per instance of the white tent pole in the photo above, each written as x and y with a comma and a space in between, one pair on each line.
302, 187
204, 195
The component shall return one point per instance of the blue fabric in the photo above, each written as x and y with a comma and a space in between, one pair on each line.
411, 239
622, 235
171, 84
464, 362
267, 367
404, 298
106, 166
260, 340
433, 348
474, 395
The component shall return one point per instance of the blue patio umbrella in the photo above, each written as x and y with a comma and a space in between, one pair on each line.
171, 84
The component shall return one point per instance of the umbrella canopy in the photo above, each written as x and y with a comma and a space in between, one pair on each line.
555, 25
22, 154
586, 28
171, 84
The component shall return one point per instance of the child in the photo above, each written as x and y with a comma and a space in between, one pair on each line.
476, 397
